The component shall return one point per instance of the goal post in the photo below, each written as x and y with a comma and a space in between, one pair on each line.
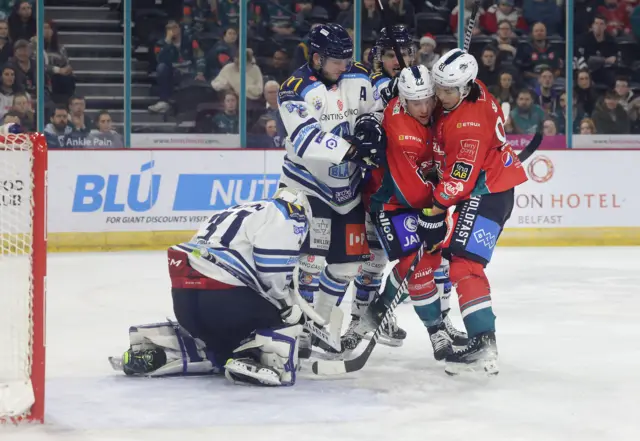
23, 269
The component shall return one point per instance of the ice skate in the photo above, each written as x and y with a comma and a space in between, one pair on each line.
456, 337
440, 341
391, 335
351, 339
143, 362
480, 355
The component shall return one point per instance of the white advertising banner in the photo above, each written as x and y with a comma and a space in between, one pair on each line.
165, 190
578, 189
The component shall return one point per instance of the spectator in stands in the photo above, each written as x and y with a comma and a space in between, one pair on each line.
371, 20
598, 51
634, 116
264, 133
546, 12
401, 11
561, 116
281, 17
63, 83
22, 108
222, 52
468, 6
179, 56
12, 118
487, 72
548, 98
22, 23
624, 92
79, 121
104, 136
229, 78
507, 44
227, 121
57, 131
6, 47
427, 55
503, 10
345, 16
278, 67
537, 54
8, 88
587, 127
307, 15
505, 91
271, 89
616, 16
584, 92
24, 67
549, 127
527, 116
610, 117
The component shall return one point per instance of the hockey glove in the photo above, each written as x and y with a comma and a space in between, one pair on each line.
390, 92
292, 315
369, 142
432, 228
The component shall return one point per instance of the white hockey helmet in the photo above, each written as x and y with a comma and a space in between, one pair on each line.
414, 84
456, 69
295, 197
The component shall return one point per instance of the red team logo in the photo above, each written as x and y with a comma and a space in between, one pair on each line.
340, 105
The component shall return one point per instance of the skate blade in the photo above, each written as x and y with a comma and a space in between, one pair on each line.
489, 368
239, 373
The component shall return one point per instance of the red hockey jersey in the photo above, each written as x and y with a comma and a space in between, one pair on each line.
402, 182
472, 153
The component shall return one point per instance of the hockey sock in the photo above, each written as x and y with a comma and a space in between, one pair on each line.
366, 284
474, 296
330, 293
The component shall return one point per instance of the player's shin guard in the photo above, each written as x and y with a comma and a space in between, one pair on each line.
267, 358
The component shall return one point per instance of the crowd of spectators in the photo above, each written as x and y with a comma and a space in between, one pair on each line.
520, 46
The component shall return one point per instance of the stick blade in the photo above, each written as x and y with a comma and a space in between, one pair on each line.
329, 367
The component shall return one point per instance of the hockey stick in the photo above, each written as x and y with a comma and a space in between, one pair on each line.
337, 367
471, 25
533, 144
389, 25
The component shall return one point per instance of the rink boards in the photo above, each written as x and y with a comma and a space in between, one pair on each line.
149, 199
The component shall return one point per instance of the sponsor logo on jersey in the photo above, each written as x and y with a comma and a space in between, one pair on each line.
376, 95
467, 124
453, 188
461, 171
423, 273
331, 143
411, 224
319, 234
340, 171
343, 195
340, 105
356, 243
301, 231
299, 108
396, 108
385, 225
338, 116
412, 157
317, 103
311, 259
409, 138
507, 159
468, 150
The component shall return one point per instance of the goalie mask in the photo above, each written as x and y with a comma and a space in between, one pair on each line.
416, 92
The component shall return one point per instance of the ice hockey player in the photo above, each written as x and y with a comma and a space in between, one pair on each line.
330, 137
478, 172
385, 62
232, 299
395, 194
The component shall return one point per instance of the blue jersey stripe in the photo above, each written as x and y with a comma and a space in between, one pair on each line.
278, 252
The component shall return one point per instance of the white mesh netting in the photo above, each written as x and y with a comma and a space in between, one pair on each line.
16, 275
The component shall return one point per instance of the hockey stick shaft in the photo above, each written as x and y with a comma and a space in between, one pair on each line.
336, 367
471, 25
389, 25
531, 147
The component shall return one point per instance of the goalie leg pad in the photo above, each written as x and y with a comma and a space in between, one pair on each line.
263, 355
185, 355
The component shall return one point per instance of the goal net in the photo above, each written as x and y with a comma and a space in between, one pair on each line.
23, 181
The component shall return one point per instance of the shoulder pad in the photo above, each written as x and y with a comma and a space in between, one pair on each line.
358, 67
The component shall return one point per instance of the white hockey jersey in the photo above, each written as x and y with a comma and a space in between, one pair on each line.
316, 119
255, 245
379, 81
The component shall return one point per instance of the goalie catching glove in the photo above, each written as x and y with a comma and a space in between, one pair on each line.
368, 142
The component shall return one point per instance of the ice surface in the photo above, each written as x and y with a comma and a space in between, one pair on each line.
568, 328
